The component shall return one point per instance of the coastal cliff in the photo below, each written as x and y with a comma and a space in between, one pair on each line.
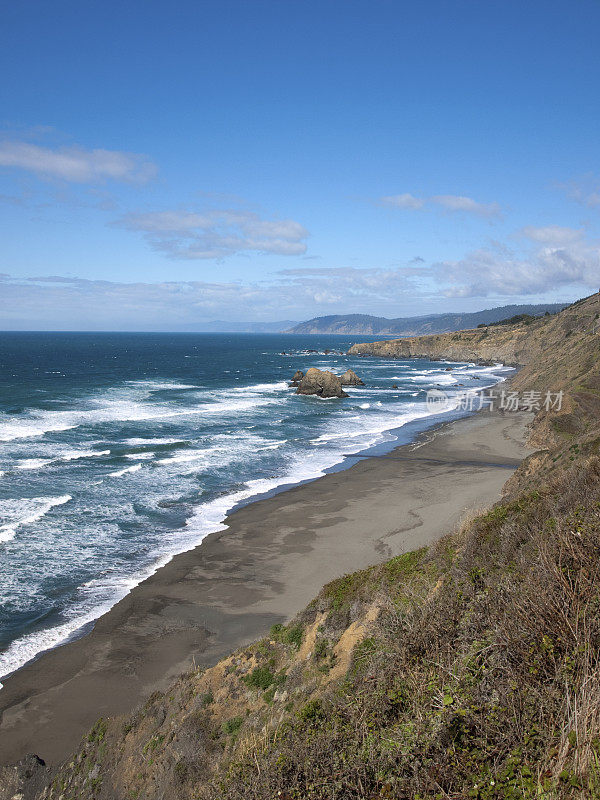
511, 346
466, 669
551, 348
554, 353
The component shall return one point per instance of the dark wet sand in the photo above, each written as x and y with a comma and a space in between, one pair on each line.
272, 560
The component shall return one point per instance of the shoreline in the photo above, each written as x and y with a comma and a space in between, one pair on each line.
271, 560
406, 433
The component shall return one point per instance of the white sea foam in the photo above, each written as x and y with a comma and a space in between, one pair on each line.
24, 511
273, 446
357, 431
69, 455
73, 455
27, 647
139, 442
224, 450
184, 458
33, 463
161, 385
262, 387
120, 472
42, 422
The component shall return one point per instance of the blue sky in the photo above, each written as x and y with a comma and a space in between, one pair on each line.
165, 164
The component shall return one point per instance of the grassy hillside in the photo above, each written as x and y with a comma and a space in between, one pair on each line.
467, 670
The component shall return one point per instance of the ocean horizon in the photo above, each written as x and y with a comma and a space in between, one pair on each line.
119, 450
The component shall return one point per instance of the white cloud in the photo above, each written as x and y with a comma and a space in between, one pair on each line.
453, 202
403, 201
57, 302
449, 202
76, 164
552, 235
216, 233
498, 272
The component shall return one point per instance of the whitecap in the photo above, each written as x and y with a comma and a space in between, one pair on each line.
182, 458
139, 442
68, 455
120, 472
40, 423
25, 511
33, 463
73, 455
160, 385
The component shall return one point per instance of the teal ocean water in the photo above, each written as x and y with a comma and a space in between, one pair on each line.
118, 451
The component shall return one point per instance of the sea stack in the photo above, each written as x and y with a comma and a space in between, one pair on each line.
350, 378
321, 383
298, 375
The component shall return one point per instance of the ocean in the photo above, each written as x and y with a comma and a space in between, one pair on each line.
119, 450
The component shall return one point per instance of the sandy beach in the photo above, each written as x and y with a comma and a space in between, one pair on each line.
271, 561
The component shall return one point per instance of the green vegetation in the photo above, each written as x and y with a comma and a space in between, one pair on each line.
343, 591
259, 678
517, 319
98, 732
292, 634
232, 726
207, 698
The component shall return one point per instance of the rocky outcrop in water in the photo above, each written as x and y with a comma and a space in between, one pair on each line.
350, 378
321, 383
297, 377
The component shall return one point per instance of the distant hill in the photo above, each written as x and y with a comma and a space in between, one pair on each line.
417, 326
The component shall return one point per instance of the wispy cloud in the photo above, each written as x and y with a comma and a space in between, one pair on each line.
75, 164
403, 201
216, 233
451, 203
584, 190
553, 235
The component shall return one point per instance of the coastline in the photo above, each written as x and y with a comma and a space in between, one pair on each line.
210, 517
272, 559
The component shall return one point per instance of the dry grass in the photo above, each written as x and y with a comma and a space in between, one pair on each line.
482, 684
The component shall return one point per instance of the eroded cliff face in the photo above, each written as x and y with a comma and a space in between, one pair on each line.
512, 347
